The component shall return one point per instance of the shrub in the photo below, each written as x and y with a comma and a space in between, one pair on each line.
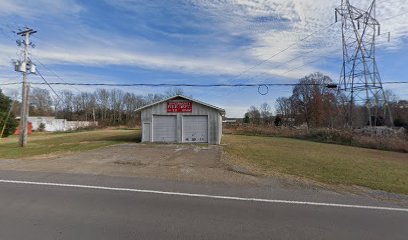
401, 123
41, 127
331, 136
277, 121
398, 143
9, 126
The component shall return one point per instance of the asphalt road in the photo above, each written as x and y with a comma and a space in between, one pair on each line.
56, 212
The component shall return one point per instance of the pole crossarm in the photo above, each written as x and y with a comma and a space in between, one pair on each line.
26, 67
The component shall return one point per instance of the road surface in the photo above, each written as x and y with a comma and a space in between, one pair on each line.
117, 208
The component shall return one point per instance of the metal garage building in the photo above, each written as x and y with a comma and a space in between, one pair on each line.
181, 119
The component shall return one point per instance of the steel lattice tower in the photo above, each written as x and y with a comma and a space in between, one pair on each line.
360, 79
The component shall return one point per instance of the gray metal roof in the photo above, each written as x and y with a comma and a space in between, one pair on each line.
186, 98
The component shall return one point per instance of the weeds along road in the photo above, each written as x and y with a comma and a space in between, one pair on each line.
35, 209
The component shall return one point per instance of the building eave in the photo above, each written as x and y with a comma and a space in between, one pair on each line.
184, 97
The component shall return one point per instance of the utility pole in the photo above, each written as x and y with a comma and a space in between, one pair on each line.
25, 66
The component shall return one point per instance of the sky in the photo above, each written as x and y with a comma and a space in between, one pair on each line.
194, 42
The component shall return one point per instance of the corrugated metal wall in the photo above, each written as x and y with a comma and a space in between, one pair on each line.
214, 120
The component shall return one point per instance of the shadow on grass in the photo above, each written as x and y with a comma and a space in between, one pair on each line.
131, 138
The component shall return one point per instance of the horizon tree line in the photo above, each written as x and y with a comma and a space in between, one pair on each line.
315, 105
109, 107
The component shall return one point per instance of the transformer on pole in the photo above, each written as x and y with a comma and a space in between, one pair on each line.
26, 67
360, 79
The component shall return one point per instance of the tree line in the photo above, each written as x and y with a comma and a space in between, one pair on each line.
315, 105
109, 107
311, 103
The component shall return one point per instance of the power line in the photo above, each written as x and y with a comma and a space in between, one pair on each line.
49, 85
401, 14
292, 59
298, 67
180, 84
250, 68
243, 72
10, 83
281, 51
169, 84
54, 73
280, 64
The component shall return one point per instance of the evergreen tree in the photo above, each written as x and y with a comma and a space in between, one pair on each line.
7, 119
246, 118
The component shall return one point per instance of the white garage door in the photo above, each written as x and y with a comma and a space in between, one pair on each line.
195, 129
164, 128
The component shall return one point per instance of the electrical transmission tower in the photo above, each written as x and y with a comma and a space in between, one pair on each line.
360, 79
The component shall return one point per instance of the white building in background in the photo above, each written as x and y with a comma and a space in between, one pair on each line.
51, 124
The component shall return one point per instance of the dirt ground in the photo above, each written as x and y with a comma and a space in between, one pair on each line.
203, 163
180, 162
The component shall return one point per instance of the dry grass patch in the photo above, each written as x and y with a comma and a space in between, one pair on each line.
327, 163
59, 143
397, 142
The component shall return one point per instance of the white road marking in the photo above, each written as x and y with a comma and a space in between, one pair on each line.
208, 196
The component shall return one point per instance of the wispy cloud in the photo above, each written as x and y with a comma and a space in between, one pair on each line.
204, 37
39, 8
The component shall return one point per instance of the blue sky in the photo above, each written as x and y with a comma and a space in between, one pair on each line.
194, 41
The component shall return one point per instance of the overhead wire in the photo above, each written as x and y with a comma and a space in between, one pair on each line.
178, 84
280, 52
261, 62
210, 85
313, 61
401, 14
280, 64
54, 73
269, 58
49, 85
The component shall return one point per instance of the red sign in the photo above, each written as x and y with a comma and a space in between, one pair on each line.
179, 107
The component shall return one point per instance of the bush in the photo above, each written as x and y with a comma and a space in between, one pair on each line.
401, 123
363, 139
263, 130
277, 121
347, 137
10, 125
331, 136
41, 127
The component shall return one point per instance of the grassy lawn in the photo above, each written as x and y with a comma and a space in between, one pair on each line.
327, 163
57, 143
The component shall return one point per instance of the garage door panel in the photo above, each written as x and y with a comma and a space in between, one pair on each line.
195, 129
164, 128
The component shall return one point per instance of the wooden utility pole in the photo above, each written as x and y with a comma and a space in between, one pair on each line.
25, 67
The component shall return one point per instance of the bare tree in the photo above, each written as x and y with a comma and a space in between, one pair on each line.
254, 115
64, 107
266, 113
102, 101
285, 110
173, 92
40, 102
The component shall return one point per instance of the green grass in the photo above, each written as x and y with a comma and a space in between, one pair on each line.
58, 143
327, 163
